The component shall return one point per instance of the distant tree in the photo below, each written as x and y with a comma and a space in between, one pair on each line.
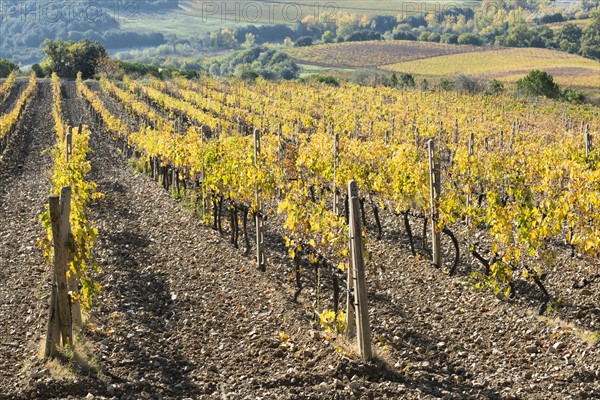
406, 80
424, 36
139, 69
538, 83
568, 37
38, 70
66, 58
469, 38
434, 37
383, 23
221, 39
288, 42
403, 35
86, 56
542, 37
268, 63
547, 19
57, 57
328, 37
303, 41
518, 35
214, 69
6, 67
363, 35
245, 72
110, 68
590, 38
250, 41
449, 38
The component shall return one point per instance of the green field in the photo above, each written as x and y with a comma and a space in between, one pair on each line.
199, 17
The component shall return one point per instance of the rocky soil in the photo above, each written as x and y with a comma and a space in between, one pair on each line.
24, 189
183, 314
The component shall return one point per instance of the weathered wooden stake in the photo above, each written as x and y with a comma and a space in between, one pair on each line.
455, 130
471, 143
202, 177
59, 325
336, 149
434, 180
69, 144
588, 140
360, 304
260, 255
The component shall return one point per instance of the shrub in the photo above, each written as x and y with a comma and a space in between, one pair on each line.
326, 79
406, 80
6, 67
538, 83
369, 77
467, 83
404, 35
364, 35
449, 38
495, 87
434, 37
572, 96
446, 84
328, 37
469, 38
304, 41
37, 70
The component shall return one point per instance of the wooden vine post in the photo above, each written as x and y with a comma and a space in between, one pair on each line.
336, 149
471, 152
456, 130
435, 186
60, 326
280, 154
69, 144
203, 176
260, 255
356, 275
588, 140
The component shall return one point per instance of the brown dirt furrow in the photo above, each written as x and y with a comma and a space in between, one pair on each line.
24, 189
8, 104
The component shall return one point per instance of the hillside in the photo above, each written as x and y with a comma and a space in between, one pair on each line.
27, 23
508, 65
374, 53
436, 60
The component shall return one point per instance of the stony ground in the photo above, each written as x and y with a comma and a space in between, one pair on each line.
183, 314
